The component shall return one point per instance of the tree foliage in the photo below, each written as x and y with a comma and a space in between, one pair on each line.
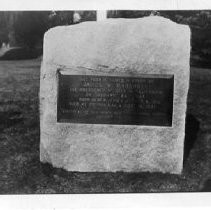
4, 29
30, 27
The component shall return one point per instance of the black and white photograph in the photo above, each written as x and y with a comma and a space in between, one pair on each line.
108, 101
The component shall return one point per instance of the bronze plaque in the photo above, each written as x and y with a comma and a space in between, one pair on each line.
121, 100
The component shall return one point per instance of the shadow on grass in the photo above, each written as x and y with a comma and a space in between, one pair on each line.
207, 186
111, 182
191, 131
10, 118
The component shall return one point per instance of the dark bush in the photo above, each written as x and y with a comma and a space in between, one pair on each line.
30, 27
21, 54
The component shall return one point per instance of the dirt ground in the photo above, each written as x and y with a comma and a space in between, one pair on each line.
22, 173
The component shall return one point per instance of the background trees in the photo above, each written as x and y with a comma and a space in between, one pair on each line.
29, 28
26, 28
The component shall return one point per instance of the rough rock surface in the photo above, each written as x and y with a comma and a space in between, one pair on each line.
151, 45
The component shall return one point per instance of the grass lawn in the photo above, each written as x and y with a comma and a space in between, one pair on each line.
22, 173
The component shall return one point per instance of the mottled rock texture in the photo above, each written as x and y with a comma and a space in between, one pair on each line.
150, 45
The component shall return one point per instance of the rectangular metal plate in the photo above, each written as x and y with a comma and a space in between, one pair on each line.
121, 100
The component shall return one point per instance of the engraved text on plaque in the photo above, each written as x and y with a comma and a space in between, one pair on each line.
122, 100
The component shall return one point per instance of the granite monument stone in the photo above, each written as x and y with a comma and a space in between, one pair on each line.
113, 95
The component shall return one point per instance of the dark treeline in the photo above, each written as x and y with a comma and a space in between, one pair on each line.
26, 28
